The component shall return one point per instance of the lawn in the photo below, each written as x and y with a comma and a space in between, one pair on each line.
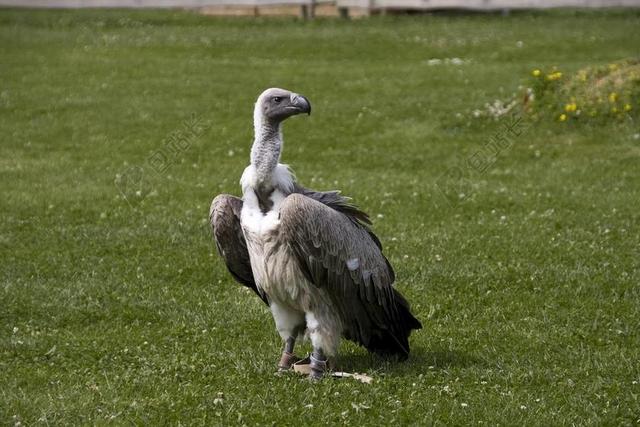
117, 128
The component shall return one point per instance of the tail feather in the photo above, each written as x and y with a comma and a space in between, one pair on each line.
395, 340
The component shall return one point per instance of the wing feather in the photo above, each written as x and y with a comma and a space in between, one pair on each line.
343, 256
224, 216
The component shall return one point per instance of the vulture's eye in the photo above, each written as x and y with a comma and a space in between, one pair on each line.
277, 99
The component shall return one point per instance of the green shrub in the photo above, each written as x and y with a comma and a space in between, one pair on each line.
609, 92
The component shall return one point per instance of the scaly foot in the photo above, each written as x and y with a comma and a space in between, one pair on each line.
318, 368
286, 361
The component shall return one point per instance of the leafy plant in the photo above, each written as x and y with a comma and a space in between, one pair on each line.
608, 92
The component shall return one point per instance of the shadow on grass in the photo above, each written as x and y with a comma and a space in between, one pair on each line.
420, 361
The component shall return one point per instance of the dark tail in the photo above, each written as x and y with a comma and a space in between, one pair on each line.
394, 341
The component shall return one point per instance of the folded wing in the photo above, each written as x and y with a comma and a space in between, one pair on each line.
338, 252
224, 216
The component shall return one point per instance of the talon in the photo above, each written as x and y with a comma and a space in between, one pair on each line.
286, 361
318, 368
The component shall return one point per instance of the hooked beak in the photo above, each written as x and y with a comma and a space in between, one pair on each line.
300, 103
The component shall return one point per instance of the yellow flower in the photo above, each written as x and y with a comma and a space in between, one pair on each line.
627, 107
614, 110
613, 97
536, 73
571, 107
613, 67
554, 76
563, 117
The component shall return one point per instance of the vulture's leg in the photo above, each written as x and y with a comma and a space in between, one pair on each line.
318, 364
324, 331
289, 324
288, 358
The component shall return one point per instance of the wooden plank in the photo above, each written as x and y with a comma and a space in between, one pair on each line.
490, 4
76, 4
362, 4
323, 9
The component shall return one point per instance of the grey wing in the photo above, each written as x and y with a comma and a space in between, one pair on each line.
224, 216
344, 257
338, 202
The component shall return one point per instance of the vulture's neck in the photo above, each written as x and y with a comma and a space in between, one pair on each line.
265, 152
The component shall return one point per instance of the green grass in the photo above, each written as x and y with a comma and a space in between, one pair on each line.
119, 311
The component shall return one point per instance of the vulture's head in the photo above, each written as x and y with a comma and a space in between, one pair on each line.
275, 105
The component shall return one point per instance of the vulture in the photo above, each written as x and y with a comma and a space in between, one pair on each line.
309, 255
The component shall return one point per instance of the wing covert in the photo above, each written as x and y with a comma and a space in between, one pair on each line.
340, 255
224, 216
